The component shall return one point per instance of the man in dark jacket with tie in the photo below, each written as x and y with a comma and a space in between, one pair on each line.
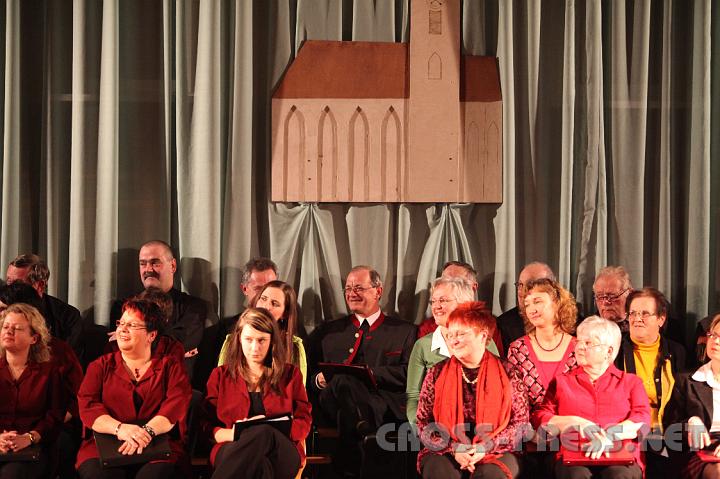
368, 337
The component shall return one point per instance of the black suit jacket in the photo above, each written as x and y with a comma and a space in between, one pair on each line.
689, 398
387, 352
64, 322
511, 326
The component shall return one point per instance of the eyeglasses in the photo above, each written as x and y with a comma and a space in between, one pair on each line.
519, 285
130, 325
587, 344
458, 335
357, 289
712, 336
640, 314
441, 301
609, 297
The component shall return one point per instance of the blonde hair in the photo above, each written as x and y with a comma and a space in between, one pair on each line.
40, 351
566, 315
274, 364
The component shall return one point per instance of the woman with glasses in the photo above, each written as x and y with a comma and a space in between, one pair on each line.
32, 405
445, 295
470, 412
279, 298
655, 359
548, 347
692, 407
256, 381
597, 401
135, 396
164, 344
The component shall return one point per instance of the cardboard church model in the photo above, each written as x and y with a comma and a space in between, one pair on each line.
390, 122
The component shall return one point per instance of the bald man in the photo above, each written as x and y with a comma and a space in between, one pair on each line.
157, 268
510, 323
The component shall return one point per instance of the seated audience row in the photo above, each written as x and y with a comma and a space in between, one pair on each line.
606, 384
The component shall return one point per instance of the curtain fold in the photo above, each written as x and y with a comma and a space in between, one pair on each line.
152, 120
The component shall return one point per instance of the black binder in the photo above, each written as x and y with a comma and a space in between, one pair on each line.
29, 454
360, 371
281, 422
108, 445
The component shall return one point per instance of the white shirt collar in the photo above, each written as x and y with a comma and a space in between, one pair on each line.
438, 342
705, 374
370, 319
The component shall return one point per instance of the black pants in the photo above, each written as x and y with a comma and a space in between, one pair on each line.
15, 470
93, 469
261, 452
435, 466
347, 400
606, 472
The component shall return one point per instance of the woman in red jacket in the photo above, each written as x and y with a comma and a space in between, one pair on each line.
31, 398
134, 395
256, 381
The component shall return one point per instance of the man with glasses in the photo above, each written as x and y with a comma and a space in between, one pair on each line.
510, 323
157, 265
366, 336
611, 289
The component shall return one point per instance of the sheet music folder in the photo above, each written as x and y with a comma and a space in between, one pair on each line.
29, 454
359, 371
281, 422
622, 456
107, 446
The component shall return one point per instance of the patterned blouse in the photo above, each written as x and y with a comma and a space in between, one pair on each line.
509, 439
524, 362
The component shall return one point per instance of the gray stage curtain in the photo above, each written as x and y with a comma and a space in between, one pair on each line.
127, 120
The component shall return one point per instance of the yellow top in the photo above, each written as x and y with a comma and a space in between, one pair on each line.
646, 358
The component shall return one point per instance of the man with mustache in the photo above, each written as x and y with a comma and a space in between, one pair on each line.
189, 313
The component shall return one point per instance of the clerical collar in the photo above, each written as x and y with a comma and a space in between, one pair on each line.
370, 319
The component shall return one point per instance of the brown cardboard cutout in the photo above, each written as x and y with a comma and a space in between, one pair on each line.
390, 122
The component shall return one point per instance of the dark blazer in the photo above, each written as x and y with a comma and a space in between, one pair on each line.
670, 351
386, 350
689, 398
511, 327
64, 322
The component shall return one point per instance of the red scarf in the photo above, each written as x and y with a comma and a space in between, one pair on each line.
493, 400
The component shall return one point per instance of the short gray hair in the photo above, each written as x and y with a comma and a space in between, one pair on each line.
257, 264
461, 288
618, 272
603, 330
375, 280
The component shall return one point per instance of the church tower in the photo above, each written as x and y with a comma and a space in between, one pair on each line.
433, 136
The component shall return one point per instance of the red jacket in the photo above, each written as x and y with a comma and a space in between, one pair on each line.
228, 401
34, 402
164, 390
